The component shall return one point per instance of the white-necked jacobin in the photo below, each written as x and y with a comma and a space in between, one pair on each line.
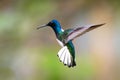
65, 37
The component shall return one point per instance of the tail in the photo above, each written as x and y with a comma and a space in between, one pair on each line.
66, 58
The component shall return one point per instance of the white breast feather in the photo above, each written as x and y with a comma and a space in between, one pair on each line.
60, 43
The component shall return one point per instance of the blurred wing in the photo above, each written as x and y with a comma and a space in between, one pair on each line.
80, 30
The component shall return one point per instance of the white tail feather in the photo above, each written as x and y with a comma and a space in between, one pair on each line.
65, 56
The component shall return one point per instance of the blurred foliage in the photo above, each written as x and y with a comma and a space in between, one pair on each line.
26, 54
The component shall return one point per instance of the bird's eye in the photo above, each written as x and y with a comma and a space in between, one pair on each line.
51, 24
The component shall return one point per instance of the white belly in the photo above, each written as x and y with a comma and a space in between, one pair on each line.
60, 43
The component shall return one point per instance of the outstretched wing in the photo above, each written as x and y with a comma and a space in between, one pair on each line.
73, 33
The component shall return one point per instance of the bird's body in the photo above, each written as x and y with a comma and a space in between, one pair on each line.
65, 37
60, 34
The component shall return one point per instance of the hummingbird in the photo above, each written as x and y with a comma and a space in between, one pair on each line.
65, 37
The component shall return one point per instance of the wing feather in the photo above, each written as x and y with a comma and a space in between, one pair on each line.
80, 31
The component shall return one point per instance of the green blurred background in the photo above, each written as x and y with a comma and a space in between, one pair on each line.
30, 54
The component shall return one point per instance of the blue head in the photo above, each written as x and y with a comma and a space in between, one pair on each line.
55, 25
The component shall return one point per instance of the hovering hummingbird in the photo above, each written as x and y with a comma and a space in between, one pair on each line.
65, 37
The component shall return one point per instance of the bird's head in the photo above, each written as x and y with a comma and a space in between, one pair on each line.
52, 24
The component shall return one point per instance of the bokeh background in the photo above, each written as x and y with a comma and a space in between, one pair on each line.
30, 54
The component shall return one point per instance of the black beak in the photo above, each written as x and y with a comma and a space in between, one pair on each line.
42, 26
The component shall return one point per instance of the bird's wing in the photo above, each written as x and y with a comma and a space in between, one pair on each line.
65, 57
73, 33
